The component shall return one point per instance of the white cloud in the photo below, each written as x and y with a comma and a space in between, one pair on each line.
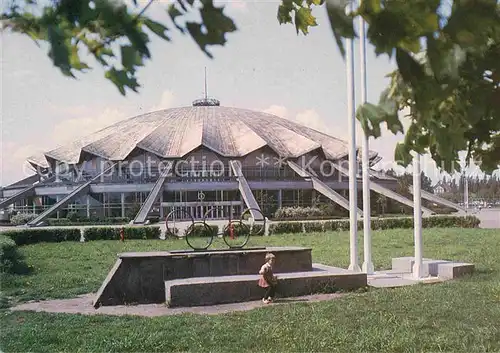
277, 110
72, 129
309, 118
240, 5
81, 121
13, 165
166, 101
313, 120
237, 5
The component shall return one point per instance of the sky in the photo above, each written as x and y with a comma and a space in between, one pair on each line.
264, 66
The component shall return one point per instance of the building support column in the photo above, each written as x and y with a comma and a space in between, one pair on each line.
122, 200
161, 207
280, 198
88, 205
57, 200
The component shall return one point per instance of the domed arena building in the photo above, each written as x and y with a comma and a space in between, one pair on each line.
207, 159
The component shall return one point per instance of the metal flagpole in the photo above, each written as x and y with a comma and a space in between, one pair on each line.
353, 190
466, 191
417, 217
367, 236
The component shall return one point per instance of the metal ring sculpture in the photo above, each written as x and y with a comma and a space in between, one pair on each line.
172, 230
236, 233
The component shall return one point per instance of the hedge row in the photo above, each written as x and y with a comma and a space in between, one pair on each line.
56, 235
201, 231
34, 235
381, 223
85, 221
110, 233
10, 259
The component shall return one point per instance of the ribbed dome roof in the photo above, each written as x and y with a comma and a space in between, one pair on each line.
173, 133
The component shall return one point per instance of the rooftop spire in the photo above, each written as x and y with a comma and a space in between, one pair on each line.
206, 91
206, 101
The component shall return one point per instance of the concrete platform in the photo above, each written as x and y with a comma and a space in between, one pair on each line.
394, 279
444, 269
139, 277
203, 291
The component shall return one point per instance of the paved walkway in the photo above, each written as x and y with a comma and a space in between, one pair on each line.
490, 218
83, 305
393, 279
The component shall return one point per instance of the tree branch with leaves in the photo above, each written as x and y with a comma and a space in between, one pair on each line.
447, 58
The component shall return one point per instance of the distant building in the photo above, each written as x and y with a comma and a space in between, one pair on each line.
206, 159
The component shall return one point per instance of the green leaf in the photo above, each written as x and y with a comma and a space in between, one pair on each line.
341, 24
173, 12
284, 10
368, 7
315, 2
402, 154
59, 49
444, 61
157, 28
216, 26
121, 80
130, 58
410, 69
75, 60
304, 19
370, 116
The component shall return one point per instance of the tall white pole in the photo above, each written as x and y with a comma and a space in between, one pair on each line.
466, 192
417, 216
367, 236
353, 190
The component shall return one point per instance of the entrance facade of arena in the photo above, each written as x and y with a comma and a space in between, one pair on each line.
218, 204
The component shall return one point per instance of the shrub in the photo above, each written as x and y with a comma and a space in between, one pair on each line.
73, 216
85, 221
239, 229
376, 223
308, 213
298, 213
285, 227
113, 233
201, 231
258, 229
22, 218
450, 221
336, 225
314, 226
11, 260
34, 235
470, 222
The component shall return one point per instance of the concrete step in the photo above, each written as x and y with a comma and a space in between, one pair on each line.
202, 291
444, 269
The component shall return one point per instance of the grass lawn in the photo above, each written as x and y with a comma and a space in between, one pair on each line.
458, 316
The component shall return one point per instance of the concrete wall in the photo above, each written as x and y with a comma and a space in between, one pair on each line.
140, 277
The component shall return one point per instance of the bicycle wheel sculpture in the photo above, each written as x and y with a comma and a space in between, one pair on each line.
178, 222
200, 235
254, 220
236, 234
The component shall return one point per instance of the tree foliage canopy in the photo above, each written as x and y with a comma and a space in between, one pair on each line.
447, 54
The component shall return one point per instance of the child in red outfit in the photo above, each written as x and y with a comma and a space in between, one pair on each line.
267, 278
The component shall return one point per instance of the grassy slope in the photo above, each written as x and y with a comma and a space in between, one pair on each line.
455, 316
